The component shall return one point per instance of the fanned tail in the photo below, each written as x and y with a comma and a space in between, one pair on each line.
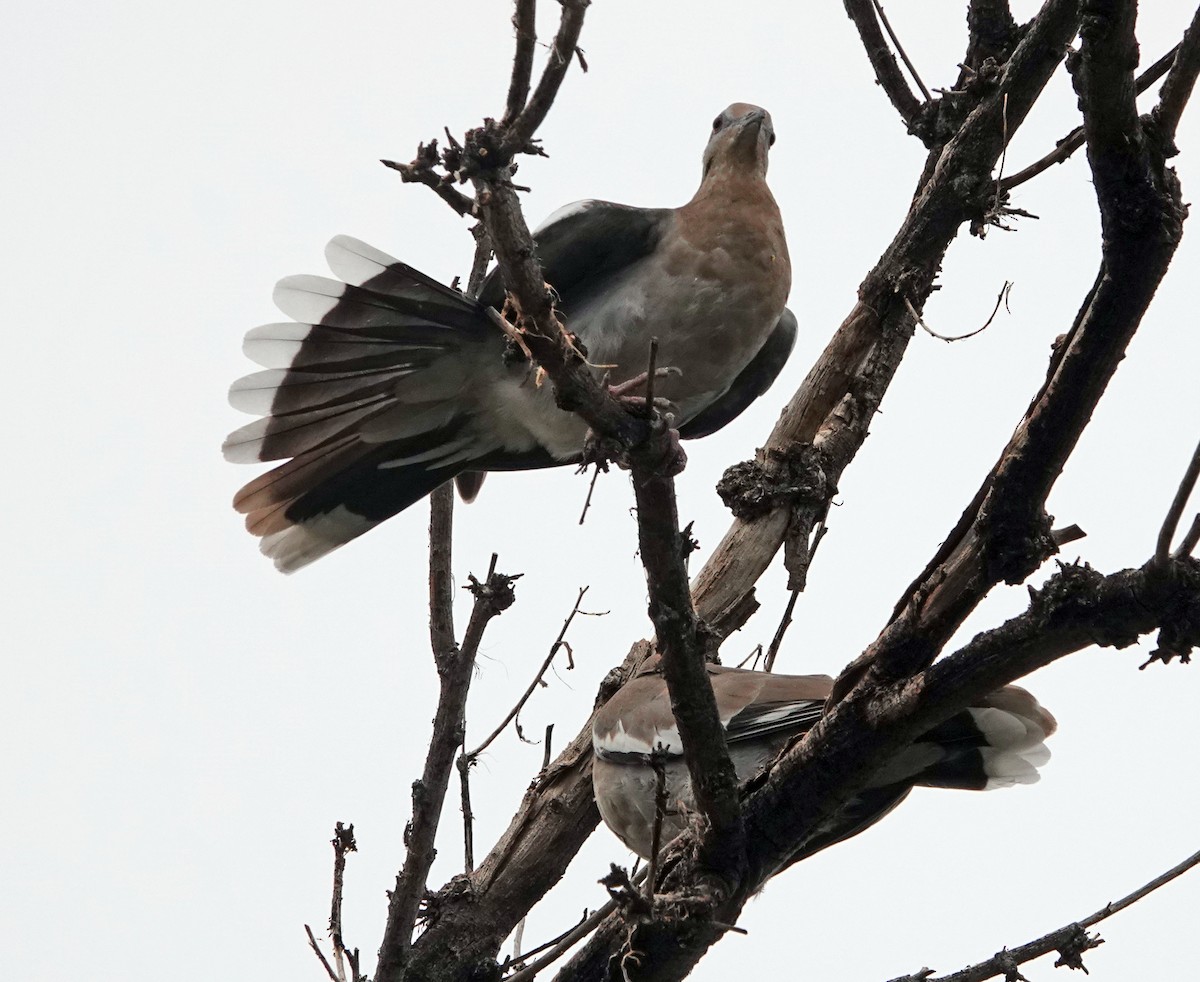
365, 392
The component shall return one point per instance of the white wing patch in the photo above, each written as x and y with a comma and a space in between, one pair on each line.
619, 741
565, 212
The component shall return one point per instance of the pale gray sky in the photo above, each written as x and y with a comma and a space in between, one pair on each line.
183, 726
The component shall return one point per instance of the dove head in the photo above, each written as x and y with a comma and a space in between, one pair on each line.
741, 139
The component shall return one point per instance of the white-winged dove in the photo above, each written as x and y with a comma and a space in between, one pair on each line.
997, 743
389, 383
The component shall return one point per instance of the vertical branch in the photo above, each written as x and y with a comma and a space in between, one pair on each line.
464, 766
343, 842
441, 577
562, 51
525, 26
492, 596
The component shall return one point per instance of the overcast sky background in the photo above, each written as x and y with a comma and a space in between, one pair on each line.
182, 726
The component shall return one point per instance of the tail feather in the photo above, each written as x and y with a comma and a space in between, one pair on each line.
995, 744
368, 396
280, 391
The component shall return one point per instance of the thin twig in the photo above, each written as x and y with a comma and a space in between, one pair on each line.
568, 939
312, 941
518, 936
546, 748
912, 70
1190, 541
1002, 297
558, 643
777, 640
587, 502
1175, 512
463, 763
651, 367
1074, 140
415, 173
1055, 941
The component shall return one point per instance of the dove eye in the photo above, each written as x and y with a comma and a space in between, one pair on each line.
771, 142
716, 124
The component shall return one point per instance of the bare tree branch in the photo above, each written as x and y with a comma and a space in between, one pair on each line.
441, 576
1074, 140
845, 390
887, 71
562, 52
1004, 534
342, 842
850, 378
312, 943
1179, 84
1190, 540
1175, 512
858, 364
1005, 961
420, 171
525, 26
492, 596
992, 31
912, 69
1076, 609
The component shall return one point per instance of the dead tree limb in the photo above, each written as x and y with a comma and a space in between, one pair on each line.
1064, 939
492, 596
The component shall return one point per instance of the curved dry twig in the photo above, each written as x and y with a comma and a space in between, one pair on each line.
1001, 298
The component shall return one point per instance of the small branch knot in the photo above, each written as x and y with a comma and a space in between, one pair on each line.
753, 488
1179, 632
1071, 953
1010, 966
497, 590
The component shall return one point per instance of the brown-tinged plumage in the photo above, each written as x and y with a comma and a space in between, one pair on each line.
388, 383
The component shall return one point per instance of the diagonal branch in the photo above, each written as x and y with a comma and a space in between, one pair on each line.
1076, 609
883, 62
1067, 146
1003, 962
1004, 533
842, 391
1175, 512
912, 69
1177, 89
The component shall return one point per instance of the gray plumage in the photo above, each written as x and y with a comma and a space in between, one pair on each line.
996, 743
388, 383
